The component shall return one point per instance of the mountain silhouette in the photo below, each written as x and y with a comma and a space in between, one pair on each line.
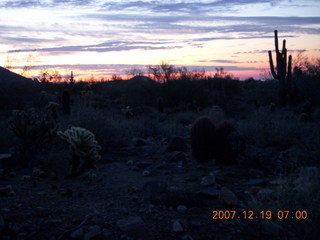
7, 75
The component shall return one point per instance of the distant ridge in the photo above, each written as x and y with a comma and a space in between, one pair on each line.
141, 78
7, 75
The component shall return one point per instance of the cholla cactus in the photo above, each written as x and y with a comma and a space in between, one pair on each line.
33, 130
127, 112
84, 149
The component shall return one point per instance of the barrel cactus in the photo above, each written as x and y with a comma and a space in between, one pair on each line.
215, 141
202, 139
84, 149
228, 143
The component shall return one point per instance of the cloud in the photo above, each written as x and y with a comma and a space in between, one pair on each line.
109, 69
252, 27
190, 7
266, 51
106, 47
220, 61
228, 61
28, 39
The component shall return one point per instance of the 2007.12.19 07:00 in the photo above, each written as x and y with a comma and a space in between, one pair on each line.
265, 214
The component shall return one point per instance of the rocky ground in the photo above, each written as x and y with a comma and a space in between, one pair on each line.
148, 190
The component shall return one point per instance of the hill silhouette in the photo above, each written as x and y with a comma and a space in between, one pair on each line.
7, 75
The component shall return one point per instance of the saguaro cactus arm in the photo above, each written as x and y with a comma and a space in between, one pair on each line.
273, 72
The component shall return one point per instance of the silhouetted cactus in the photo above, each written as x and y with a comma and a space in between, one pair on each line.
34, 132
71, 78
282, 72
202, 139
84, 149
220, 142
228, 144
65, 102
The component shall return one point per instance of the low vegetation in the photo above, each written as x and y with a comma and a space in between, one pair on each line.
242, 123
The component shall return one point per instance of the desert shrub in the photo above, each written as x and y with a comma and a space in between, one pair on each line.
151, 125
215, 113
307, 89
289, 195
6, 135
55, 159
103, 122
308, 144
140, 92
270, 129
16, 94
185, 94
184, 118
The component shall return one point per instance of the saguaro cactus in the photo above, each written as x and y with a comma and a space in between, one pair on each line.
71, 78
281, 72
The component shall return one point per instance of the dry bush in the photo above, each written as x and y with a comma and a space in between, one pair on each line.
270, 129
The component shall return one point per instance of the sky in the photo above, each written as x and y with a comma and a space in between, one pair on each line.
100, 38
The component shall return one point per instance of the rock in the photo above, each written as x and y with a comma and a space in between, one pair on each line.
2, 175
106, 233
5, 156
228, 197
67, 192
187, 237
152, 170
142, 164
175, 157
130, 224
6, 161
6, 191
26, 178
307, 173
258, 182
208, 180
177, 227
195, 223
41, 194
210, 192
265, 194
39, 173
272, 228
182, 209
43, 212
53, 221
178, 144
139, 142
98, 220
278, 182
2, 225
135, 227
94, 232
155, 192
214, 228
77, 234
256, 172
